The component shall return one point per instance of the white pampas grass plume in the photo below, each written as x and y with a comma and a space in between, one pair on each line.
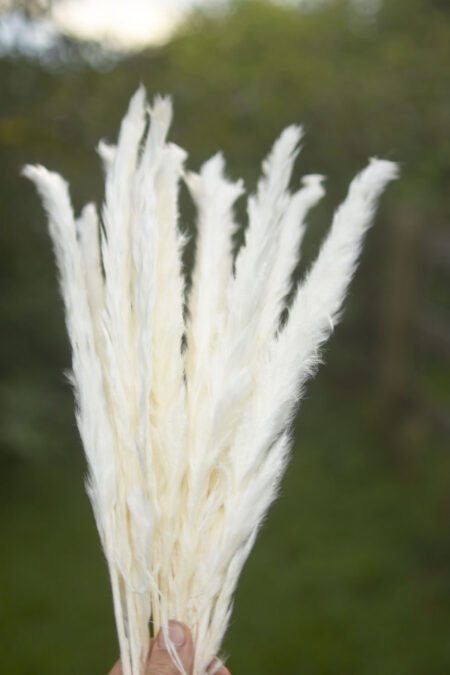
184, 415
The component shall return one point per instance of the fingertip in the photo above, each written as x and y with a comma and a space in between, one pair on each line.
179, 638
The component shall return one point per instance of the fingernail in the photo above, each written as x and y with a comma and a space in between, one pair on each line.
176, 635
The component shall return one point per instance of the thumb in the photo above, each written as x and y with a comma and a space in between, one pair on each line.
161, 662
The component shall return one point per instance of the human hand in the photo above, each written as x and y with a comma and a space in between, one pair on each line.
159, 661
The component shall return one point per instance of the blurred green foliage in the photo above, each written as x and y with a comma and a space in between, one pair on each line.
352, 573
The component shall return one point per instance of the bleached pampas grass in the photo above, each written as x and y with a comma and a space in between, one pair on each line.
186, 445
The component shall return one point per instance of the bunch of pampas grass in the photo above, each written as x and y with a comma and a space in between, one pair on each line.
184, 415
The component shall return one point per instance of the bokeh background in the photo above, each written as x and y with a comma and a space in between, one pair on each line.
351, 573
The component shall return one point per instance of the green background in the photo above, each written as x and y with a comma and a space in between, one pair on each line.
351, 573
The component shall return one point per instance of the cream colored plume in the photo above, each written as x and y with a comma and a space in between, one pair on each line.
184, 415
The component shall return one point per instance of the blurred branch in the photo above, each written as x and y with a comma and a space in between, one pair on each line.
396, 356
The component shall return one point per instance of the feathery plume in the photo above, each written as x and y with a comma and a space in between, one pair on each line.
184, 416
